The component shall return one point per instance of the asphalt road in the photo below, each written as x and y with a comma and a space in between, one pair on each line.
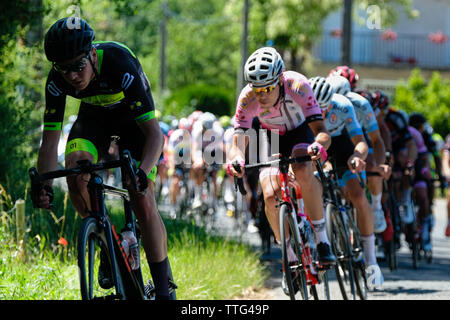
428, 282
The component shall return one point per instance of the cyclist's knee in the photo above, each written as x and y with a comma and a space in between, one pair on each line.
356, 194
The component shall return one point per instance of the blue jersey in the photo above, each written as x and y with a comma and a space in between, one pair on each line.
340, 116
364, 112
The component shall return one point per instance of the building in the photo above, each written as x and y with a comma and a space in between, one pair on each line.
383, 56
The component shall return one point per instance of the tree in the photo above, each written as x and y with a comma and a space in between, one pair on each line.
431, 98
296, 25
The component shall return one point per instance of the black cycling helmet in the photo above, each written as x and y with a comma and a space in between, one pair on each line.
380, 100
366, 94
67, 38
416, 119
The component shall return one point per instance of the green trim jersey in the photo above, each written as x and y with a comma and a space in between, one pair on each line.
120, 80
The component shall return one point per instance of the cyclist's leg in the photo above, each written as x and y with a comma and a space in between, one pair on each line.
88, 140
300, 139
365, 225
270, 184
154, 237
375, 186
198, 176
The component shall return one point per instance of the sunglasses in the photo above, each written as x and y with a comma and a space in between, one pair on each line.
264, 90
76, 66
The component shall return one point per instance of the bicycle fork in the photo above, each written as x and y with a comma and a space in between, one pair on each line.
98, 209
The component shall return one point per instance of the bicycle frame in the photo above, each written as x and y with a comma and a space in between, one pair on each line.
96, 190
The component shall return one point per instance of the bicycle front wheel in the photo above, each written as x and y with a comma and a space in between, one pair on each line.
294, 271
339, 237
93, 251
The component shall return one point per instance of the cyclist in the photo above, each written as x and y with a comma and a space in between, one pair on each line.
115, 100
422, 180
346, 72
404, 152
376, 157
227, 189
347, 145
284, 105
446, 170
206, 149
179, 160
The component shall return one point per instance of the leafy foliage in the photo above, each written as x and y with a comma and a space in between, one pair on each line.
432, 98
199, 97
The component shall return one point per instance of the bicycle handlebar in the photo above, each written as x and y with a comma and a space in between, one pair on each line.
283, 160
126, 163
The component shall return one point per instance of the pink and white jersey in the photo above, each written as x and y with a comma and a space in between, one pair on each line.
299, 105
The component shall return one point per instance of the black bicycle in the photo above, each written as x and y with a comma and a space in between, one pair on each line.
344, 236
98, 241
305, 271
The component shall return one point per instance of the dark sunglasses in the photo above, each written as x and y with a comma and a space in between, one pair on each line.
76, 66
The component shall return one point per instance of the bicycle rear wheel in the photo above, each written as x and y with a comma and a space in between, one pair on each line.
337, 232
358, 265
91, 245
294, 271
390, 247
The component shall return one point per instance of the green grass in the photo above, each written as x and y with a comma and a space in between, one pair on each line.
204, 267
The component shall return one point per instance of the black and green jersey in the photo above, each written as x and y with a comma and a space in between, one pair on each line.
120, 80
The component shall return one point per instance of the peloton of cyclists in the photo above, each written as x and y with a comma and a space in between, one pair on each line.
348, 145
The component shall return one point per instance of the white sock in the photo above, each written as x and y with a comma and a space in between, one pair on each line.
320, 231
376, 201
368, 244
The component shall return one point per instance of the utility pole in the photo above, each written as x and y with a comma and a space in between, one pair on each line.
244, 47
346, 46
163, 68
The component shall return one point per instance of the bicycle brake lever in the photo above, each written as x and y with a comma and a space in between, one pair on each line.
239, 182
361, 182
130, 168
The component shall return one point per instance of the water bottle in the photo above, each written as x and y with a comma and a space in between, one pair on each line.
133, 249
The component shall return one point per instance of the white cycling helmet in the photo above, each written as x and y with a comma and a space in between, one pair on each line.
340, 84
207, 120
263, 67
323, 91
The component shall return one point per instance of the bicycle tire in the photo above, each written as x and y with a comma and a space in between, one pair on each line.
90, 243
395, 218
358, 266
300, 281
391, 245
339, 238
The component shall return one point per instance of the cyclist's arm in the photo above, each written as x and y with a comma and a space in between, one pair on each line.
237, 150
446, 164
321, 133
412, 150
153, 146
48, 153
360, 152
385, 133
378, 146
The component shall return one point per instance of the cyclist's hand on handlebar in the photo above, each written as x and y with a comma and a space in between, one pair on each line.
141, 179
356, 164
236, 168
385, 171
317, 151
44, 197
